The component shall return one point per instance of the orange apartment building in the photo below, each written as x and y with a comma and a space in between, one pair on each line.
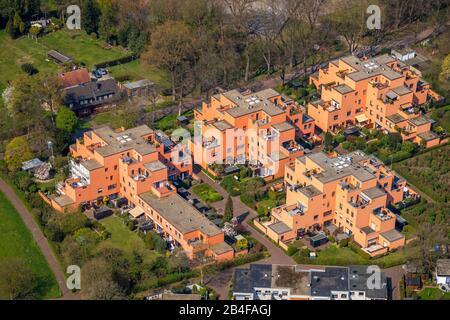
379, 92
139, 164
258, 129
349, 192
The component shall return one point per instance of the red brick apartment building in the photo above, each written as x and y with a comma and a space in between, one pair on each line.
139, 164
258, 129
380, 92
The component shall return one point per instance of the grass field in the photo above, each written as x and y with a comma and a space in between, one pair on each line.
433, 294
335, 255
123, 238
206, 193
76, 44
16, 241
136, 70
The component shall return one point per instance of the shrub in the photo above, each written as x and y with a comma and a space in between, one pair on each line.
292, 250
29, 69
344, 242
358, 251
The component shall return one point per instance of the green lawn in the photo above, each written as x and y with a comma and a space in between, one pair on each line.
136, 70
206, 193
82, 47
76, 44
335, 255
123, 238
16, 241
433, 294
16, 52
170, 122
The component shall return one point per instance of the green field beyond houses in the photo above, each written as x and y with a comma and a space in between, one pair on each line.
76, 44
17, 242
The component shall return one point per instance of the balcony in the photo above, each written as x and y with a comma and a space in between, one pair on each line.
292, 147
269, 136
163, 189
140, 177
359, 203
211, 144
383, 214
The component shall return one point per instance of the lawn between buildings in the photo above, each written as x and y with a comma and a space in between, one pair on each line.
17, 242
206, 193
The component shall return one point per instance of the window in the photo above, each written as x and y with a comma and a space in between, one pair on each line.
100, 190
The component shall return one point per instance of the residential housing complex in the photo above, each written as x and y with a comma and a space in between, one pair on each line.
288, 282
244, 127
140, 165
348, 193
381, 92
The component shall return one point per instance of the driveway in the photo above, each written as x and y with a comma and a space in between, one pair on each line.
40, 239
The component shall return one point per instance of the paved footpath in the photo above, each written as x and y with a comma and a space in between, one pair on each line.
40, 239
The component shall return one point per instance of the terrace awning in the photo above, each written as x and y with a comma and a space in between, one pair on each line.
362, 118
136, 212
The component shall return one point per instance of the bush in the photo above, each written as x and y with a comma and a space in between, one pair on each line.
292, 250
344, 242
29, 69
230, 184
359, 251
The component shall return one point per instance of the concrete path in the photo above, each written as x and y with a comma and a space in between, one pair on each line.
40, 239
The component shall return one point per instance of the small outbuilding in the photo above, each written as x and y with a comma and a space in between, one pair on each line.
318, 240
182, 120
31, 164
58, 57
102, 212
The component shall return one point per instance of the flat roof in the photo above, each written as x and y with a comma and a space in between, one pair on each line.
138, 84
117, 142
222, 125
374, 192
310, 191
395, 118
443, 267
420, 120
279, 227
332, 279
248, 102
31, 164
154, 166
340, 167
358, 280
283, 126
288, 277
91, 164
428, 136
343, 89
181, 214
401, 90
392, 235
221, 248
367, 230
63, 200
256, 276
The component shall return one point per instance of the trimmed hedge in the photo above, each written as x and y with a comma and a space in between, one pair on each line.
112, 63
